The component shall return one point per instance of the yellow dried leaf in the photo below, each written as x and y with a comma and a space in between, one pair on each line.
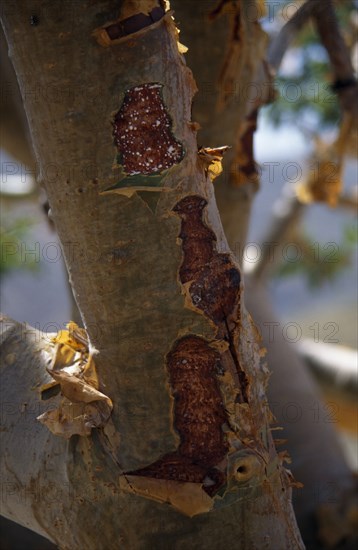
90, 374
211, 158
73, 369
73, 337
64, 356
64, 337
79, 334
69, 343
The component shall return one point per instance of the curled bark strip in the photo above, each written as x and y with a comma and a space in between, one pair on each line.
134, 23
142, 132
211, 159
73, 370
188, 498
124, 28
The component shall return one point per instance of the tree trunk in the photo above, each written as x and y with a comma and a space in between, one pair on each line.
187, 458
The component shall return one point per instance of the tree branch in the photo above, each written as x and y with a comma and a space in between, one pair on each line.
328, 28
280, 44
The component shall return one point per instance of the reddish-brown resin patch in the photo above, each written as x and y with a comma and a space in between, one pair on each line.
215, 280
198, 417
142, 132
199, 411
194, 368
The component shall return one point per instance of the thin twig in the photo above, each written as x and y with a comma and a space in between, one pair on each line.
328, 28
282, 41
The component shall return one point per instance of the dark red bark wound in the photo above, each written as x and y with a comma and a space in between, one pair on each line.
133, 24
215, 280
142, 132
199, 411
194, 368
198, 417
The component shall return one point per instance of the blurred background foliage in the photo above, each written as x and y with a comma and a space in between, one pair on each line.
320, 262
305, 99
304, 80
12, 235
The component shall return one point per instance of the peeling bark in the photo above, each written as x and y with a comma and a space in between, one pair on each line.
126, 26
246, 86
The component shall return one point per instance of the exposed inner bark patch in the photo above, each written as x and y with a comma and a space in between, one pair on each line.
199, 414
142, 131
130, 23
195, 368
214, 281
134, 23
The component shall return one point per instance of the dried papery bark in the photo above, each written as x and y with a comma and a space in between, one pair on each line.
161, 298
227, 49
